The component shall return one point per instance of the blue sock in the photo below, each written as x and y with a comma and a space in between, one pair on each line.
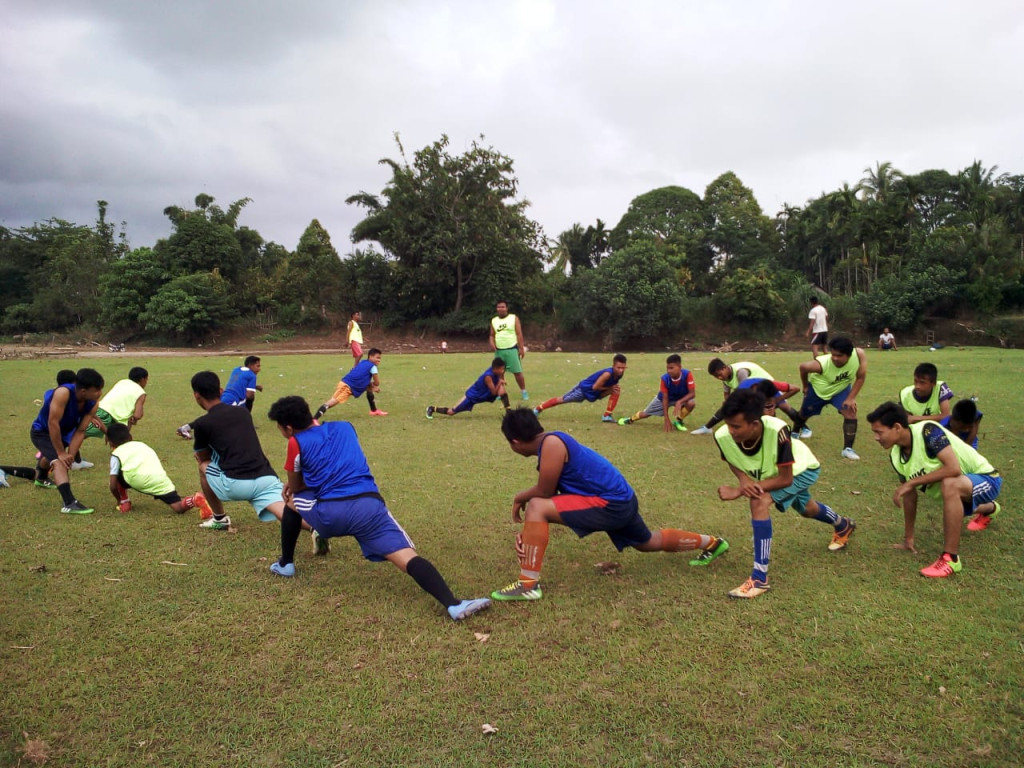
762, 549
826, 515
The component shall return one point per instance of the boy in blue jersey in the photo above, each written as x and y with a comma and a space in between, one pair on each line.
964, 421
580, 489
598, 385
488, 387
362, 378
58, 432
330, 487
677, 391
241, 388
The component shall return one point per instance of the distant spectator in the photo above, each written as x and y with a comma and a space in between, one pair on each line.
886, 341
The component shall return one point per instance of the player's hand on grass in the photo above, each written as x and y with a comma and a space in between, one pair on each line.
906, 544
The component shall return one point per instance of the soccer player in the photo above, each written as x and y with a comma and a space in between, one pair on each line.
817, 328
232, 465
488, 387
332, 489
772, 470
834, 379
362, 378
677, 392
927, 399
124, 403
964, 421
580, 489
135, 465
597, 386
355, 336
242, 387
506, 340
733, 377
929, 458
58, 432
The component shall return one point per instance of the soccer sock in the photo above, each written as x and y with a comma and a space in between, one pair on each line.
430, 581
189, 502
613, 400
849, 432
952, 557
675, 540
249, 403
320, 412
637, 416
762, 549
66, 494
291, 527
41, 471
535, 541
826, 515
505, 402
371, 401
547, 404
714, 419
684, 412
25, 473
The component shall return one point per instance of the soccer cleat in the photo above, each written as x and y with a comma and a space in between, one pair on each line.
430, 411
849, 453
980, 522
378, 412
217, 525
76, 508
943, 567
526, 395
184, 431
536, 411
321, 544
701, 431
750, 589
83, 464
709, 554
679, 425
467, 608
608, 418
839, 539
124, 506
803, 434
44, 484
3, 480
625, 421
517, 591
283, 570
205, 510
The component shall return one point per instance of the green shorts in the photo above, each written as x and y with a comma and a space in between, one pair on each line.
92, 430
511, 358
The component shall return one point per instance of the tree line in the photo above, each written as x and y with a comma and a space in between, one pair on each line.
450, 234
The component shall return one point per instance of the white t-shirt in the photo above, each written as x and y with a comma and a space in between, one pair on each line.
820, 317
886, 338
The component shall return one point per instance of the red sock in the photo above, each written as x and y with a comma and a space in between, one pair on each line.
674, 540
189, 502
547, 404
613, 400
534, 542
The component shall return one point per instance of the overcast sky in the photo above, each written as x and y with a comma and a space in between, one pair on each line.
145, 104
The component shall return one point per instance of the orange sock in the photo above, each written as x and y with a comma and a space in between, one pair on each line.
547, 403
613, 400
674, 540
535, 541
684, 412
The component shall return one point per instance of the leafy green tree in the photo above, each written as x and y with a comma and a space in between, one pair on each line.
451, 222
314, 274
738, 232
578, 248
750, 297
126, 288
204, 239
900, 301
189, 307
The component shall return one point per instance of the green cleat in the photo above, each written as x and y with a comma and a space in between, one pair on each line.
707, 555
679, 425
517, 591
625, 421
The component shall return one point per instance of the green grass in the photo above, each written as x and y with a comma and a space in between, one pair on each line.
114, 658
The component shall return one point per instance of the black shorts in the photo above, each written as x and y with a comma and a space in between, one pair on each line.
167, 498
820, 338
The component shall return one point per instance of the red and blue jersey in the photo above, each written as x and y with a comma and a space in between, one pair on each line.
588, 473
331, 461
676, 390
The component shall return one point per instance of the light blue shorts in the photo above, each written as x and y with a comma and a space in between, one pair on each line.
261, 492
797, 493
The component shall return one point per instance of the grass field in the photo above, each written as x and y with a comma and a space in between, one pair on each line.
148, 641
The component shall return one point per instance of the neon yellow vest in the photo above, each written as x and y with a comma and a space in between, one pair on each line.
913, 406
754, 371
762, 465
355, 334
142, 469
119, 402
504, 331
919, 463
832, 380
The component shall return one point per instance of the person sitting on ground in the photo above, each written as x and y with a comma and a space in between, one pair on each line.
886, 341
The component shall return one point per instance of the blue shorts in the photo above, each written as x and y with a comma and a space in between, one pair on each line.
986, 489
467, 403
590, 514
261, 492
366, 518
813, 404
796, 494
577, 395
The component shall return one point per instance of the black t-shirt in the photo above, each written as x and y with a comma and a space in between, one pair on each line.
228, 432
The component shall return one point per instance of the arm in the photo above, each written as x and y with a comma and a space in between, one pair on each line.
808, 367
58, 403
666, 410
519, 338
491, 339
79, 437
972, 433
909, 518
375, 385
600, 385
136, 417
296, 482
494, 387
746, 486
950, 468
551, 462
850, 404
115, 466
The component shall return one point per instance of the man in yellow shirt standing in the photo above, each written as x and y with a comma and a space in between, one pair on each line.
355, 336
507, 343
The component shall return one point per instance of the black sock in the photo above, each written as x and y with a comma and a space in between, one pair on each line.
25, 473
849, 432
320, 412
66, 494
505, 402
249, 403
41, 471
714, 419
425, 574
291, 527
371, 401
952, 557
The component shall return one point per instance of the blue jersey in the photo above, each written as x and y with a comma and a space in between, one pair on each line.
360, 377
676, 390
72, 415
587, 385
588, 473
751, 383
479, 392
944, 421
332, 462
241, 380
